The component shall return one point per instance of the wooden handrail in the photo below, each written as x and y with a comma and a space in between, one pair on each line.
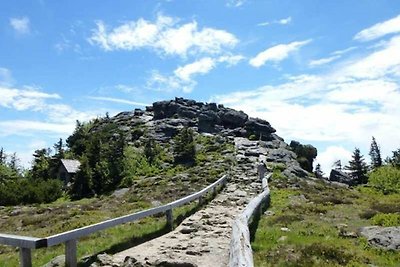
26, 243
240, 253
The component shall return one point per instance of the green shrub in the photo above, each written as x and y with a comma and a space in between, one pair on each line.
386, 179
24, 191
391, 219
135, 164
185, 146
253, 137
277, 166
326, 252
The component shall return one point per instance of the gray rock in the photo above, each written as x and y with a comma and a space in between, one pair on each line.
295, 171
281, 155
58, 261
341, 177
120, 192
233, 118
259, 128
105, 259
382, 237
131, 262
167, 129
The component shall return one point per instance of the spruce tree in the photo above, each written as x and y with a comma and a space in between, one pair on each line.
318, 172
375, 153
3, 157
82, 184
357, 168
14, 163
337, 165
185, 147
395, 159
41, 164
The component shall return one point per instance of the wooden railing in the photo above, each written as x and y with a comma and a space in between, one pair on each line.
240, 253
26, 244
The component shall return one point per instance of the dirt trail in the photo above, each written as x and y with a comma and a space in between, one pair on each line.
203, 238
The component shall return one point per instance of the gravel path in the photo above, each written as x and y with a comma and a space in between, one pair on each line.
202, 239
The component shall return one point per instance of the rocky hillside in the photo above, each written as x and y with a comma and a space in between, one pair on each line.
226, 141
164, 119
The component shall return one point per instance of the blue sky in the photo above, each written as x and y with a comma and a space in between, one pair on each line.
321, 72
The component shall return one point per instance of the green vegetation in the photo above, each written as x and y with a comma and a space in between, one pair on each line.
150, 169
318, 171
385, 179
375, 153
85, 212
311, 223
18, 189
357, 168
185, 147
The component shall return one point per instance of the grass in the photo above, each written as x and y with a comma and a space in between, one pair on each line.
309, 220
63, 215
109, 241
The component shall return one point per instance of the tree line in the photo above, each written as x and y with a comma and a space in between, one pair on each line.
382, 174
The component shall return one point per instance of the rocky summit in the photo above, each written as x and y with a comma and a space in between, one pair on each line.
167, 117
164, 119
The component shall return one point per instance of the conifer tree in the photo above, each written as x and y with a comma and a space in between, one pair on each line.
318, 172
82, 183
357, 168
41, 164
3, 157
395, 159
13, 163
337, 165
375, 153
59, 149
185, 147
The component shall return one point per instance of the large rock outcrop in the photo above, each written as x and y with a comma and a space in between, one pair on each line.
341, 177
164, 119
213, 118
382, 237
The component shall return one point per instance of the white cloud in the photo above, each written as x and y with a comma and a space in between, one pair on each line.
344, 51
24, 99
163, 83
165, 35
276, 53
118, 100
332, 154
17, 127
384, 61
283, 21
323, 61
235, 3
201, 66
230, 60
379, 30
20, 25
358, 97
183, 77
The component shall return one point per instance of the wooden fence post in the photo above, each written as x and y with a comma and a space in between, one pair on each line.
70, 254
170, 219
25, 257
214, 191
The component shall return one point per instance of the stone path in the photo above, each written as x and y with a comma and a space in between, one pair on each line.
202, 239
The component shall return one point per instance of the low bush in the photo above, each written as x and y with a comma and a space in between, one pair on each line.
23, 191
390, 219
386, 179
